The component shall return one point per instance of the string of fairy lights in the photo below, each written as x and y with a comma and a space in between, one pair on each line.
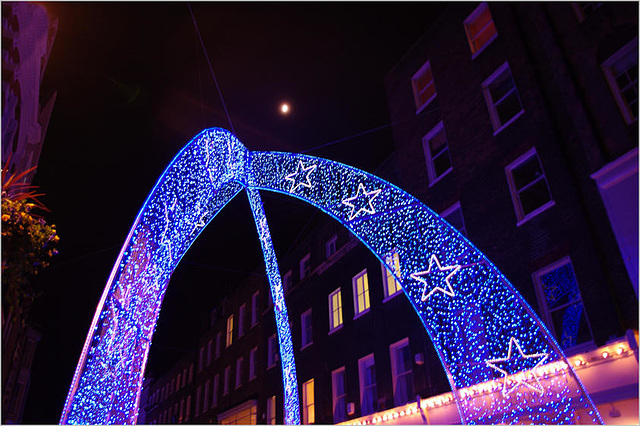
482, 329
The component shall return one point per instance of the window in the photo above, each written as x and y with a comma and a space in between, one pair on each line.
335, 310
218, 344
209, 351
181, 418
306, 329
190, 372
229, 339
368, 392
241, 315
271, 410
286, 283
480, 29
227, 380
198, 398
529, 189
305, 266
453, 215
178, 381
436, 153
391, 285
330, 247
424, 90
207, 391
252, 363
502, 98
200, 358
272, 355
254, 308
308, 403
339, 395
239, 372
186, 417
561, 303
361, 293
401, 372
216, 390
621, 71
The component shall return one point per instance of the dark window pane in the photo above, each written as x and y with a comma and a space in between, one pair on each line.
455, 219
534, 196
509, 107
501, 86
441, 164
526, 172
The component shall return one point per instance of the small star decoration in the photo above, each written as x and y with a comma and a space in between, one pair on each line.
447, 289
361, 202
520, 377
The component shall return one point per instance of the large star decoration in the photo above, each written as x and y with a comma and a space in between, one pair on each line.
361, 202
519, 378
447, 289
301, 177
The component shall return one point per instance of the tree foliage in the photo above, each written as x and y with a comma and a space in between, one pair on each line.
28, 244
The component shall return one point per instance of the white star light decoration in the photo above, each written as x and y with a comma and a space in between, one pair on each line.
448, 290
363, 199
520, 377
295, 183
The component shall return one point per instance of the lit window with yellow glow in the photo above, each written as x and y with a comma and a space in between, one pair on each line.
361, 293
229, 331
391, 285
335, 310
308, 403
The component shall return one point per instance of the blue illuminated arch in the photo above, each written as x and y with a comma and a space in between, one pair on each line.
501, 361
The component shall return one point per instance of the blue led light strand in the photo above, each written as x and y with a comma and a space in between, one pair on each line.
287, 360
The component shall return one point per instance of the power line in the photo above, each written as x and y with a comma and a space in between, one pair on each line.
215, 80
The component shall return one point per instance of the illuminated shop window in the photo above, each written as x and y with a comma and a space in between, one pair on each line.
453, 215
502, 98
335, 310
561, 304
480, 29
361, 302
424, 89
436, 153
621, 70
529, 188
391, 285
401, 372
308, 403
339, 395
229, 338
306, 327
368, 391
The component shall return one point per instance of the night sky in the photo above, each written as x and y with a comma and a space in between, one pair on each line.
133, 87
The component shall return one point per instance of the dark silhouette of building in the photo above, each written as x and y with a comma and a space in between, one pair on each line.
516, 122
